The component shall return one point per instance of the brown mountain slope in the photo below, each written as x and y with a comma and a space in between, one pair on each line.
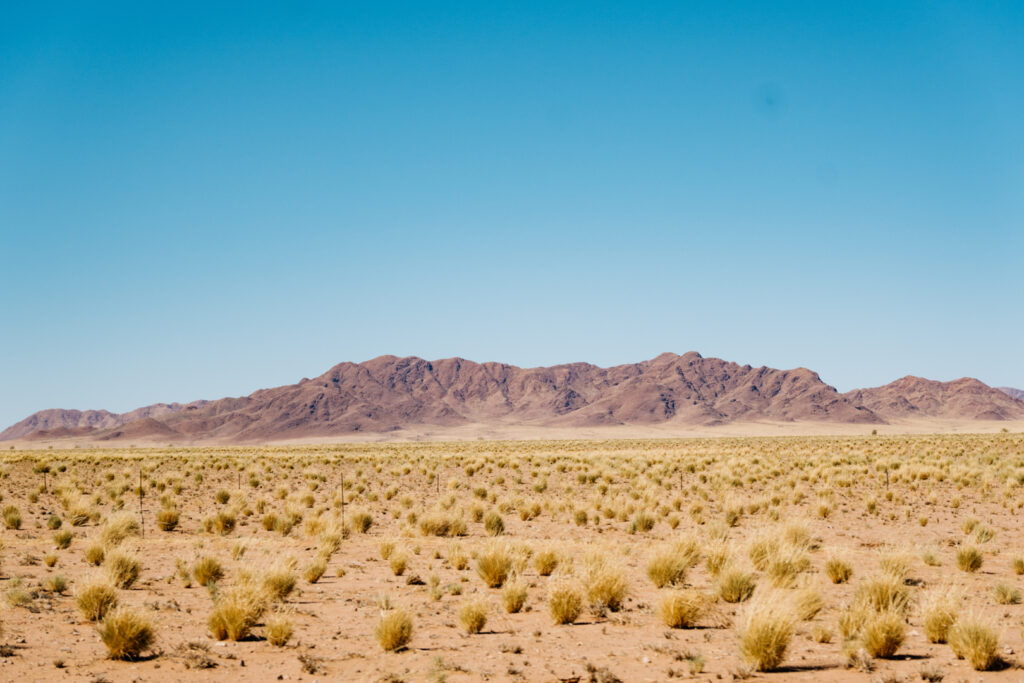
965, 398
389, 393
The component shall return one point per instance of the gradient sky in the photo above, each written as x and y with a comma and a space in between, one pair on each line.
201, 199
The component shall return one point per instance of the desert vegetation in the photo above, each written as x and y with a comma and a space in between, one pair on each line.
893, 558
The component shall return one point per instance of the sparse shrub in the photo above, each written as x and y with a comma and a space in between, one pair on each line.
883, 593
398, 563
55, 584
513, 595
969, 559
605, 583
1007, 594
896, 566
207, 570
167, 519
473, 616
127, 633
457, 558
95, 597
223, 522
62, 538
493, 564
821, 633
494, 525
278, 630
12, 517
682, 608
883, 633
122, 567
735, 584
314, 570
440, 524
94, 554
807, 602
18, 595
117, 528
717, 557
394, 630
976, 641
565, 602
765, 633
940, 611
362, 521
667, 567
278, 582
546, 561
838, 570
785, 565
643, 521
235, 612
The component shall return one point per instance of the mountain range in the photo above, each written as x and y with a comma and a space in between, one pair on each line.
388, 393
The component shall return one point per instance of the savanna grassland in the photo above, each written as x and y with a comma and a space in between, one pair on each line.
854, 558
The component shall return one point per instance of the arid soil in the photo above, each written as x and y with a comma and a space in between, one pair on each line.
898, 506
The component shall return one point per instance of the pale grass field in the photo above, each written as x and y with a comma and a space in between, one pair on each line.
636, 560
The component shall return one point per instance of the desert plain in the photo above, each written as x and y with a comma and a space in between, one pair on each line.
865, 557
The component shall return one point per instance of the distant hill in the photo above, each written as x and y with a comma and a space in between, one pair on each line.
965, 399
1013, 393
390, 393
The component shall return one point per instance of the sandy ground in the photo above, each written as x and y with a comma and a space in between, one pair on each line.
518, 432
334, 618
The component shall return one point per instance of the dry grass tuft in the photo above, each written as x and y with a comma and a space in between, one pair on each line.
940, 611
565, 601
117, 528
969, 559
513, 595
236, 611
838, 570
765, 633
95, 597
546, 561
976, 641
883, 633
682, 608
735, 584
127, 633
473, 616
279, 582
494, 563
667, 567
807, 602
278, 630
122, 567
207, 570
315, 570
604, 582
394, 630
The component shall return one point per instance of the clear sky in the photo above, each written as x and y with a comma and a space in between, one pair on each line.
202, 199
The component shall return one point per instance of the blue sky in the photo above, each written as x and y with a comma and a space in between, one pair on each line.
198, 200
